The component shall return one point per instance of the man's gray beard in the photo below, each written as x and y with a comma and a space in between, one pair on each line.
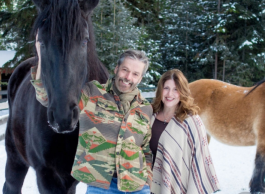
133, 86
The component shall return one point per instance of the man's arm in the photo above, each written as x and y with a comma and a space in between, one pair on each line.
38, 71
41, 94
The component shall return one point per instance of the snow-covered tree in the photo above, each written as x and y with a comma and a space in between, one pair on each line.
16, 21
115, 31
246, 39
214, 39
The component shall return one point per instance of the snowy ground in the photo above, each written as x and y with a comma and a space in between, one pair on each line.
233, 165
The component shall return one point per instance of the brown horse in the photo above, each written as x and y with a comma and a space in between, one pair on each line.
233, 115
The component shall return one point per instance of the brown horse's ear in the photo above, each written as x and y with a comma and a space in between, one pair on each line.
41, 4
87, 5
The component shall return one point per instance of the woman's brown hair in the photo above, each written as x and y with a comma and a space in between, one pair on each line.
186, 106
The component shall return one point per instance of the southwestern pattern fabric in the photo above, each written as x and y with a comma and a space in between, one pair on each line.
183, 162
111, 140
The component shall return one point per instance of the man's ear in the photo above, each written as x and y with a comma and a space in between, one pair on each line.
87, 5
116, 69
41, 4
140, 79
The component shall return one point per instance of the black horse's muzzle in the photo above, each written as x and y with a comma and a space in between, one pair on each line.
63, 121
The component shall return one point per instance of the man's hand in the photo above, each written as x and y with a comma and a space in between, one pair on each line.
37, 45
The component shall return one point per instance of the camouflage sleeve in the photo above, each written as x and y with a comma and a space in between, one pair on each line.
148, 154
41, 94
84, 98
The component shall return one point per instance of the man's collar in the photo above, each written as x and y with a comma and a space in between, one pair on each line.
108, 85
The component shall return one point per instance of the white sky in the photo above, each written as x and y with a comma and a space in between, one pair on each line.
6, 56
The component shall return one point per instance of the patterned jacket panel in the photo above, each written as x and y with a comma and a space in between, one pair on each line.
110, 140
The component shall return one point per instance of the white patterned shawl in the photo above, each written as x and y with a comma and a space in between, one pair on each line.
183, 163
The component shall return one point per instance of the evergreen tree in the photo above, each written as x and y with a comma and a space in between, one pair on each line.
210, 38
113, 25
207, 37
115, 31
236, 41
150, 21
177, 38
246, 40
16, 20
185, 34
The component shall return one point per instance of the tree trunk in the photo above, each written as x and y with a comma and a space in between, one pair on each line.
224, 70
217, 41
245, 26
215, 67
101, 32
186, 52
114, 13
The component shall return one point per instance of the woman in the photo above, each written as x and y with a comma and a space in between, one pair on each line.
182, 163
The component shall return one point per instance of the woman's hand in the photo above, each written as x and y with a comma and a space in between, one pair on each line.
37, 45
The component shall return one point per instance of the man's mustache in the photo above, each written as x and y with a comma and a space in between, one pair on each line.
125, 80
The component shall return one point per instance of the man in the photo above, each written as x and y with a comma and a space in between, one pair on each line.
113, 154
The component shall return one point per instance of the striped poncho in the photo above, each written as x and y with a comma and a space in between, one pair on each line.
183, 163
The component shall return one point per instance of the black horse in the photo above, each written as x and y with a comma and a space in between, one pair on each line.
68, 60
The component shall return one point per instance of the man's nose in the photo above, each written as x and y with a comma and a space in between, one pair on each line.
128, 76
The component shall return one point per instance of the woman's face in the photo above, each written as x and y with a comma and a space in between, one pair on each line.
170, 96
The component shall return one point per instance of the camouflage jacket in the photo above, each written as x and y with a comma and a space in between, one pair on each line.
110, 140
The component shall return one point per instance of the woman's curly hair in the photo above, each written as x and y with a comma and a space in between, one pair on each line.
186, 106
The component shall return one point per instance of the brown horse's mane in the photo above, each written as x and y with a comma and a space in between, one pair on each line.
256, 85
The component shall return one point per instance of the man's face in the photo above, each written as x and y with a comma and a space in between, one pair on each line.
128, 74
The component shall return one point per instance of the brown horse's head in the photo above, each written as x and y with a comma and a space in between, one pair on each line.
63, 32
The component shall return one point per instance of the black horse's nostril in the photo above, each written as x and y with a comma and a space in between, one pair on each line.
50, 117
75, 114
63, 120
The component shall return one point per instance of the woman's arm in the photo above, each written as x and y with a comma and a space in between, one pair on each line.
147, 152
202, 178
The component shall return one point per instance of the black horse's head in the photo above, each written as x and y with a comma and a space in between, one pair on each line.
63, 33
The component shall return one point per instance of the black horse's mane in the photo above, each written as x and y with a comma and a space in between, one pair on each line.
256, 85
62, 18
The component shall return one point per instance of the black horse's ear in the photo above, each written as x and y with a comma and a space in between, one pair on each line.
41, 4
87, 5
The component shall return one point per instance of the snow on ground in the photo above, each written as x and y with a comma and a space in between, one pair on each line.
3, 119
30, 184
233, 166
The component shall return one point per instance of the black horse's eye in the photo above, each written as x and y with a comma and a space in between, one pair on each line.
84, 42
41, 43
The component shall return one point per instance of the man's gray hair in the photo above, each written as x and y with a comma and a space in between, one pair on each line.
137, 55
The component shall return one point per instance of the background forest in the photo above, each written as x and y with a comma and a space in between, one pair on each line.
219, 39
